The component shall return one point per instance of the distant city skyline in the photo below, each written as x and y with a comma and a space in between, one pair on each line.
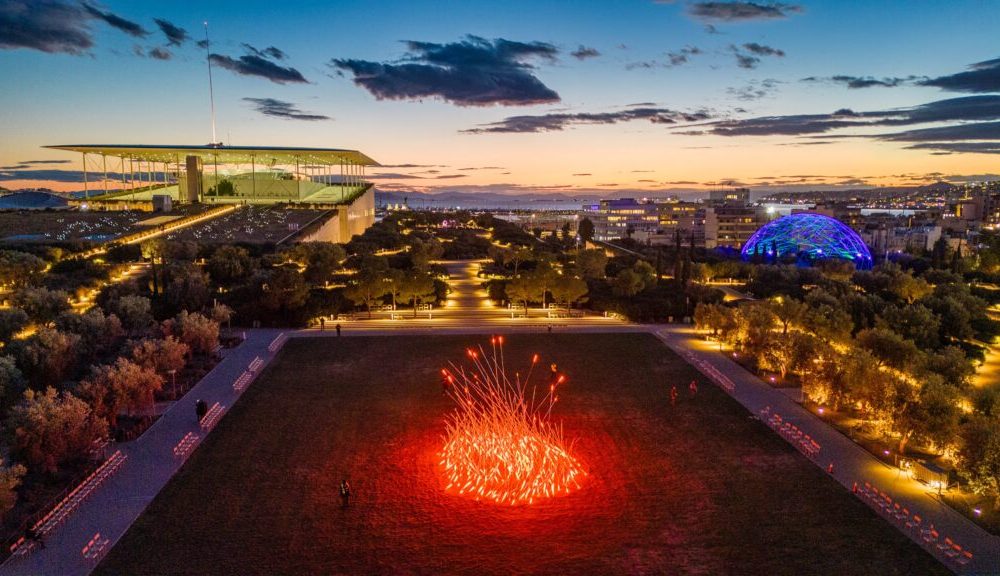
570, 97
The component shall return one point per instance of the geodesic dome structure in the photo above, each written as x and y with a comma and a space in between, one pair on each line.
809, 237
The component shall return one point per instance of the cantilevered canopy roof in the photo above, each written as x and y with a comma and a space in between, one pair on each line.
225, 154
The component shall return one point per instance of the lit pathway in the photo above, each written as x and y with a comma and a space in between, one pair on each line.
851, 462
116, 503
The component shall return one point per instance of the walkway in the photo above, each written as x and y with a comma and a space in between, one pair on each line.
851, 462
151, 462
468, 304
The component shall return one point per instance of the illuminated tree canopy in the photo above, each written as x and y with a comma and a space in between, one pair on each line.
809, 237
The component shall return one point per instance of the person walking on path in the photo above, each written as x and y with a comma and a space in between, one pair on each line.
34, 536
345, 493
693, 387
200, 409
338, 329
322, 324
673, 395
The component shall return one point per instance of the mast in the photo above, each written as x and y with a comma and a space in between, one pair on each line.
211, 92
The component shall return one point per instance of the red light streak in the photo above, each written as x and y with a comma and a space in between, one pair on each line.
499, 443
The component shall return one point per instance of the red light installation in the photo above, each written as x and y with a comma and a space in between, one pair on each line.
500, 444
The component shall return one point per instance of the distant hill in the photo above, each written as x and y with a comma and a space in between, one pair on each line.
32, 201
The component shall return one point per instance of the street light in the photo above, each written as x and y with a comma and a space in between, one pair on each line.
173, 378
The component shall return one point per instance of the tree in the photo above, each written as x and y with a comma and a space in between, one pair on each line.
932, 415
542, 278
585, 229
568, 289
393, 279
518, 256
185, 286
888, 348
979, 455
10, 479
591, 263
368, 284
49, 429
520, 289
908, 288
422, 253
20, 269
155, 251
201, 334
12, 321
41, 304
831, 324
322, 259
627, 283
160, 355
220, 313
787, 352
230, 264
283, 290
122, 386
755, 323
134, 313
414, 286
11, 379
787, 310
47, 357
98, 333
914, 322
951, 364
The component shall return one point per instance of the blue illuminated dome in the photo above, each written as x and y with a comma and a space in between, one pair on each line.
808, 237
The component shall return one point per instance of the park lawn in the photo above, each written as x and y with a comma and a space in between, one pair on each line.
696, 488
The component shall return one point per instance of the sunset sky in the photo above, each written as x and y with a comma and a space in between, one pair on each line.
572, 97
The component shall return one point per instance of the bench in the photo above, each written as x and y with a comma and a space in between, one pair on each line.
183, 448
95, 547
212, 417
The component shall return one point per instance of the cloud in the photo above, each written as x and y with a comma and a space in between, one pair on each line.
270, 52
127, 26
727, 12
942, 148
856, 82
674, 58
558, 121
256, 63
175, 34
36, 162
746, 62
763, 50
50, 26
53, 175
754, 89
973, 125
584, 52
392, 176
973, 131
411, 166
756, 51
282, 109
472, 72
681, 56
451, 176
583, 174
160, 53
980, 77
